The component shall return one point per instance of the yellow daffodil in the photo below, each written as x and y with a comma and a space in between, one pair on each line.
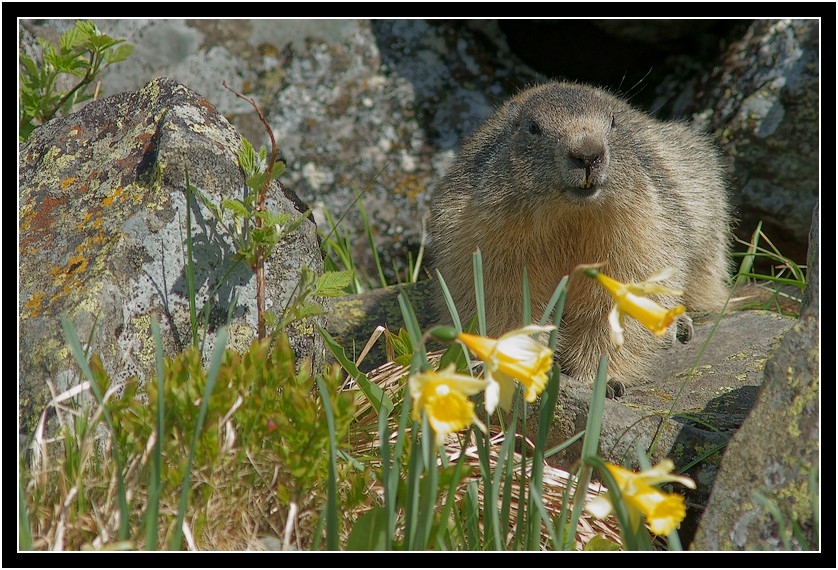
663, 511
443, 396
515, 355
630, 300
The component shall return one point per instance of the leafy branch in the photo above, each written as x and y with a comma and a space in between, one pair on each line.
81, 51
256, 231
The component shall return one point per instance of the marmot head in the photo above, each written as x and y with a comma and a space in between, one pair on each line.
564, 141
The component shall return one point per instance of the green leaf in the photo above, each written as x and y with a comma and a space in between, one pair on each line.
601, 544
279, 169
371, 390
247, 157
369, 531
72, 38
333, 283
272, 219
401, 343
454, 354
235, 207
307, 309
256, 180
86, 28
119, 54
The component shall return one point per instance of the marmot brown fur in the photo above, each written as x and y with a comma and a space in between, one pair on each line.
563, 174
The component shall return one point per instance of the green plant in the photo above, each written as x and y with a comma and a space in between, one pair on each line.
82, 51
429, 502
249, 429
256, 231
783, 271
337, 244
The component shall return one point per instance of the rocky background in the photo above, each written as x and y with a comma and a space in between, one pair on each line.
380, 106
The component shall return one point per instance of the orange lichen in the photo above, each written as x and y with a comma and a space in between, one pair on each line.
35, 303
67, 181
109, 200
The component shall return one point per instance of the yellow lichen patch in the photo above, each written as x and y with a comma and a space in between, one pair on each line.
35, 304
26, 214
144, 353
83, 224
67, 181
109, 200
76, 264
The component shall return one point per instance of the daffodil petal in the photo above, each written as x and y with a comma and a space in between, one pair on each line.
615, 323
663, 511
599, 506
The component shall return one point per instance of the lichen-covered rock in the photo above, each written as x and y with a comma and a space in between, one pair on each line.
772, 462
773, 455
381, 105
102, 226
762, 101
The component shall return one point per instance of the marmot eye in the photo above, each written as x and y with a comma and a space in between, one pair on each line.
613, 121
533, 128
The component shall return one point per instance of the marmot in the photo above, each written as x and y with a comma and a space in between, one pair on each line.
563, 174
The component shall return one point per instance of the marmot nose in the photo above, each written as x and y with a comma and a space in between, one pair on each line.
587, 154
585, 161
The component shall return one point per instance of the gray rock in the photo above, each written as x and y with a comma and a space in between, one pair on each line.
678, 414
380, 106
357, 106
771, 464
102, 221
773, 455
811, 296
762, 102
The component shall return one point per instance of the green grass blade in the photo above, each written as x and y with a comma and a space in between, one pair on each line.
579, 497
384, 452
377, 397
25, 533
472, 522
479, 293
590, 445
483, 445
154, 486
397, 453
331, 501
535, 496
747, 262
75, 348
556, 300
190, 263
527, 301
449, 301
500, 520
452, 487
420, 360
452, 310
564, 445
373, 248
212, 376
548, 406
430, 487
414, 473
